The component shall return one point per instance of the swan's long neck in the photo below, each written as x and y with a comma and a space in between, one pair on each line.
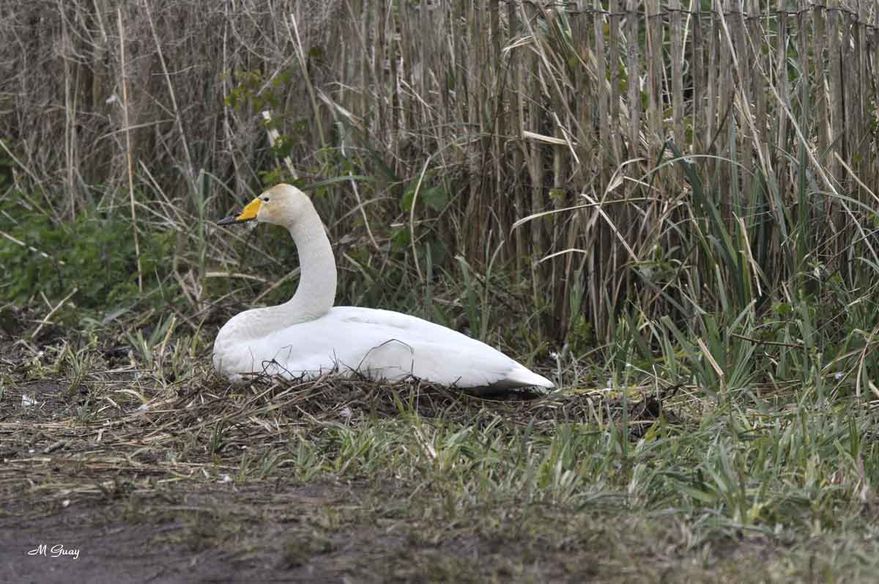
317, 273
314, 295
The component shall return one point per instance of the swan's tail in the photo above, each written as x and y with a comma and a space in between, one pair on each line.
523, 377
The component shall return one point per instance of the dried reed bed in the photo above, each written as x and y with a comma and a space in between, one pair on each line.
571, 113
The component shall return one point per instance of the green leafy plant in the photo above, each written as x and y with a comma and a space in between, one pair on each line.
93, 255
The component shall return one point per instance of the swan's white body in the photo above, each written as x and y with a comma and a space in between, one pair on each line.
377, 344
307, 337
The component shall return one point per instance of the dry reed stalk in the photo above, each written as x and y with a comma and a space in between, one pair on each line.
755, 34
820, 98
780, 76
633, 71
306, 79
29, 247
273, 135
860, 107
128, 155
613, 39
805, 100
516, 125
742, 100
178, 120
836, 115
655, 70
677, 57
70, 107
412, 238
709, 122
604, 96
498, 120
698, 76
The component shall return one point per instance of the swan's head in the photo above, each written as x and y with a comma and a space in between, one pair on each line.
281, 205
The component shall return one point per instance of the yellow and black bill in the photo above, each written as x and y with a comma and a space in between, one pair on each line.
247, 214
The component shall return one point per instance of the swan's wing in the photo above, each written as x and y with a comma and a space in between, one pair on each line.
389, 345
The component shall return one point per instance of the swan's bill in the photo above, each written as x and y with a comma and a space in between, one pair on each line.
247, 214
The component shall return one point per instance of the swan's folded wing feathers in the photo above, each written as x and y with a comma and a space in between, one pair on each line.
404, 344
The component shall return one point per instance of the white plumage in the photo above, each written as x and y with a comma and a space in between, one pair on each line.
307, 337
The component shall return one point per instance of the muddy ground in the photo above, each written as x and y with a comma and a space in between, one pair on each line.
129, 516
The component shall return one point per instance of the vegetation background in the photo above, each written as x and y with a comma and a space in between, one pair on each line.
668, 206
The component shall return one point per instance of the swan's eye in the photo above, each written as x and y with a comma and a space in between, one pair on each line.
265, 199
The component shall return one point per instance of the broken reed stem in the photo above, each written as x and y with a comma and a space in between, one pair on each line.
273, 136
31, 248
128, 157
52, 312
412, 218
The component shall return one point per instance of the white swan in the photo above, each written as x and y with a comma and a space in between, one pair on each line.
306, 336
